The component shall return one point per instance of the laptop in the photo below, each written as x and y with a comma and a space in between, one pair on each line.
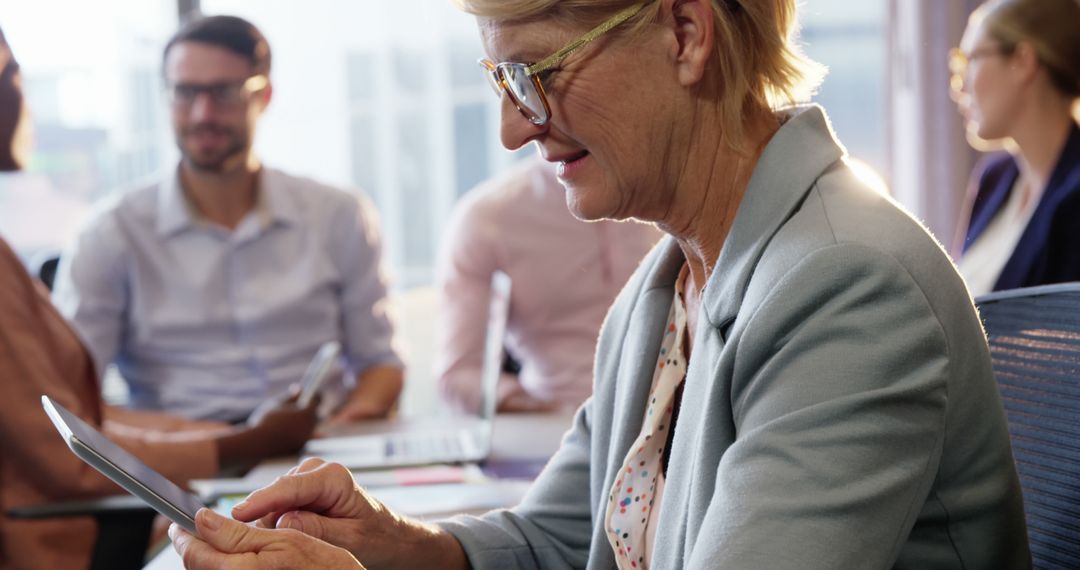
463, 440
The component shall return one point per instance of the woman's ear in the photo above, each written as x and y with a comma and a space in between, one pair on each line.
1025, 61
691, 22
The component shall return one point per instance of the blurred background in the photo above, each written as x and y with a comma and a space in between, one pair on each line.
387, 97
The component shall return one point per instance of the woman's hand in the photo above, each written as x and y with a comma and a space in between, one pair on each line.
323, 501
225, 543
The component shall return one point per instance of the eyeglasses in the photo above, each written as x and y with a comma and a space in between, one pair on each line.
959, 62
522, 82
225, 95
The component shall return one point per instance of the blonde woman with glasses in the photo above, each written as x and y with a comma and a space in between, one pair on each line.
1016, 80
794, 378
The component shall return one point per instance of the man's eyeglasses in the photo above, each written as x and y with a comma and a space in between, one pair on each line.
225, 95
959, 60
522, 82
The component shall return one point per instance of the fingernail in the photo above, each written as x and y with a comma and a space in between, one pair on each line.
240, 506
208, 519
295, 523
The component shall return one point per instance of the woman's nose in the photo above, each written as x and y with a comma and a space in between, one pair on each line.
515, 130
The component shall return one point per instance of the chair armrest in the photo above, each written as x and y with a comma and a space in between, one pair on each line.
118, 505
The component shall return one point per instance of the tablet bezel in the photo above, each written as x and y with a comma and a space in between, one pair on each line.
63, 419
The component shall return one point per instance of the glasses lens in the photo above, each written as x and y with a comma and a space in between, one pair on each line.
492, 76
181, 94
227, 94
524, 92
957, 61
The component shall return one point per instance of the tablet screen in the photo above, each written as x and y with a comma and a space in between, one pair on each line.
122, 467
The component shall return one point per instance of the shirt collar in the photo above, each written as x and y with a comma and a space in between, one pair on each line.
274, 204
174, 213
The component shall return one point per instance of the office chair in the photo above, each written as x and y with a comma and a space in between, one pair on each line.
44, 266
1034, 336
124, 526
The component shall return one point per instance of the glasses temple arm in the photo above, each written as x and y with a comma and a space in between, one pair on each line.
555, 58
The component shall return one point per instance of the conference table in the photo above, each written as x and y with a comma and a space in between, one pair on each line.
520, 445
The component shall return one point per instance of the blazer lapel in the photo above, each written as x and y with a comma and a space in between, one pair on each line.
1026, 265
777, 187
990, 201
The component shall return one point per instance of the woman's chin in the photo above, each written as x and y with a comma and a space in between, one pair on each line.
585, 209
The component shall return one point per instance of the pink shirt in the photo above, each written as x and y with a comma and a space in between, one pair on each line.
565, 275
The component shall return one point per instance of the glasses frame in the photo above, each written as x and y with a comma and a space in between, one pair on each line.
248, 87
959, 61
498, 71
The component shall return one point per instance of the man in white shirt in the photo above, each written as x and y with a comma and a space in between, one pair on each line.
213, 289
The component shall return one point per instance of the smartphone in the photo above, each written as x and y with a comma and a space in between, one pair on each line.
321, 368
123, 468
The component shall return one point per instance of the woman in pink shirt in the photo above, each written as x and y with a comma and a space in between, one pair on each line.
565, 274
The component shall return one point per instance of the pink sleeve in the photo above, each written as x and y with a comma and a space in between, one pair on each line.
468, 258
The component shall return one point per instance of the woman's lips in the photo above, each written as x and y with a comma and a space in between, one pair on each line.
568, 168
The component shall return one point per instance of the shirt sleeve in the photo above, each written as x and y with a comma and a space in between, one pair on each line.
91, 289
466, 262
367, 321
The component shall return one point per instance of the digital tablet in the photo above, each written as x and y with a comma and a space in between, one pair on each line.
124, 468
318, 371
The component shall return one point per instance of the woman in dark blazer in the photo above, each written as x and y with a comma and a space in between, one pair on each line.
1016, 81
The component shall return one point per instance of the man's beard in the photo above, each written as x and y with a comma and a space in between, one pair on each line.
216, 161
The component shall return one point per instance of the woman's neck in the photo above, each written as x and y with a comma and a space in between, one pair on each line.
708, 195
1039, 138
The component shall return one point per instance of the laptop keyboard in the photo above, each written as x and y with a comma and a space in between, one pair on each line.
424, 447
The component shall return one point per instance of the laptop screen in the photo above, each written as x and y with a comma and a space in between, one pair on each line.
498, 314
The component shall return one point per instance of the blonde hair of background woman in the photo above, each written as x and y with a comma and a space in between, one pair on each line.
1051, 27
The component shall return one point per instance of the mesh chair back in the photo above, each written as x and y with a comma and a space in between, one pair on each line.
1034, 336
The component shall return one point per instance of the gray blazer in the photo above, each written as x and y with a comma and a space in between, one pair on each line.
839, 409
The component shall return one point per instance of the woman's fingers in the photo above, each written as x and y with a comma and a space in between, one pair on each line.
219, 537
227, 544
317, 486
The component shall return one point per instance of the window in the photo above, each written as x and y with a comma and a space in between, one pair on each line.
409, 111
90, 72
361, 100
849, 38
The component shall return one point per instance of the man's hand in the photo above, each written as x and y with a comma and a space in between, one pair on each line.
225, 543
280, 430
377, 390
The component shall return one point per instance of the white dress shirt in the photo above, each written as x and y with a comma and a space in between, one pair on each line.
207, 322
982, 263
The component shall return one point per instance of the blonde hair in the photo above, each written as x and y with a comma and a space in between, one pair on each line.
757, 62
1051, 27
